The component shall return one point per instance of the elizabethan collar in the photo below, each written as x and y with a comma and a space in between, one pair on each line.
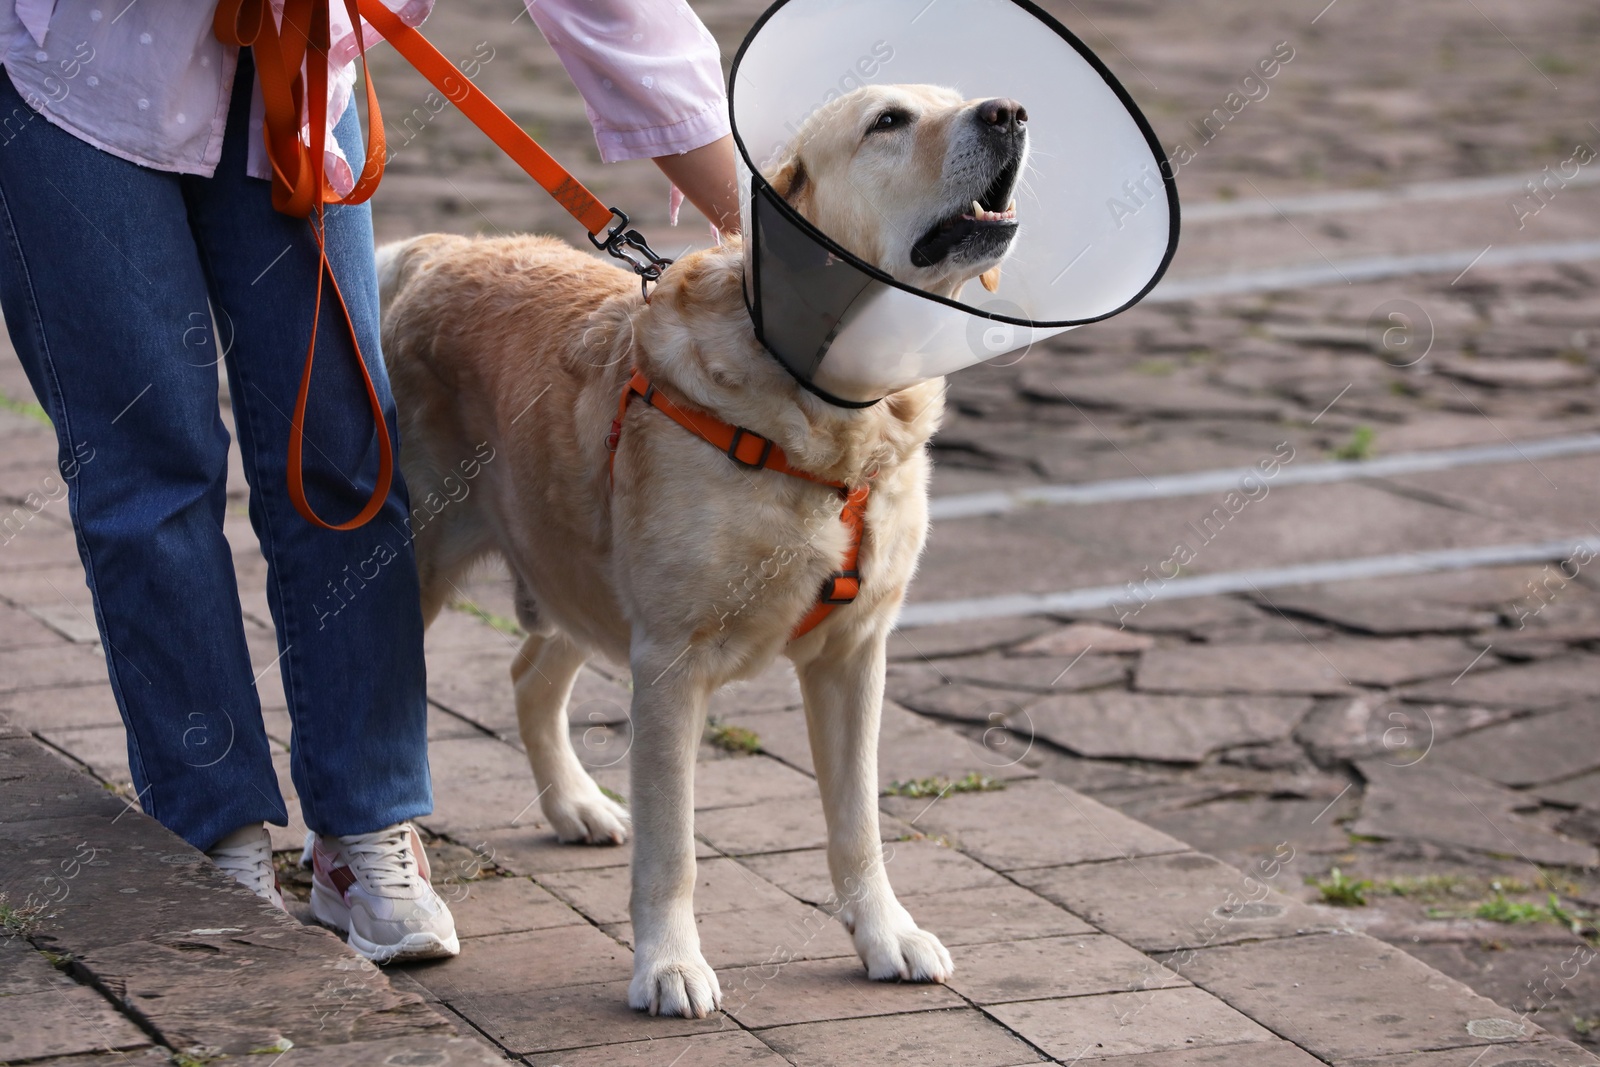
1096, 210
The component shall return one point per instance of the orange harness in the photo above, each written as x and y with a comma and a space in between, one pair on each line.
754, 452
300, 187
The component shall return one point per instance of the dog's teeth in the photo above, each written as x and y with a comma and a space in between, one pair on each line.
1011, 208
977, 210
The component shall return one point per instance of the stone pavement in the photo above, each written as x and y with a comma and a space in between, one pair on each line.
1181, 777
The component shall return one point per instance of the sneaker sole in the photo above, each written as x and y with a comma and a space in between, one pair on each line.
332, 911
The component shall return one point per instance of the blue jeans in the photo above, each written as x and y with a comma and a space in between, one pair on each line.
109, 277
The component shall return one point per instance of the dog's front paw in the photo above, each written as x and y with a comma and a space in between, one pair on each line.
586, 816
674, 984
896, 948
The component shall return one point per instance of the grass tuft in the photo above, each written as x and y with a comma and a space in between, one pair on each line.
1342, 891
1359, 447
1499, 908
733, 738
15, 921
1428, 887
498, 622
26, 408
936, 786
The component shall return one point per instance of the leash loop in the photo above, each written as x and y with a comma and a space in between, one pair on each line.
292, 70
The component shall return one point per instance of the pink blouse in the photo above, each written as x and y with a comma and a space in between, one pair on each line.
150, 83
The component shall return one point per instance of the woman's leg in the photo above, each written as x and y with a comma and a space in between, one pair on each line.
102, 288
347, 605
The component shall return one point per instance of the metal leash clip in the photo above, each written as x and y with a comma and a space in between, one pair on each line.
631, 247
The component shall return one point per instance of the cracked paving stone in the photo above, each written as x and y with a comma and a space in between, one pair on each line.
961, 639
978, 916
412, 1051
240, 990
1516, 373
916, 867
1385, 616
1081, 637
985, 705
1531, 979
1367, 725
1048, 967
1196, 618
1124, 1024
719, 885
1447, 806
1580, 792
1038, 674
764, 936
730, 1048
1537, 1053
953, 1038
1325, 667
1001, 829
1530, 751
1348, 996
807, 991
1162, 397
582, 1016
42, 785
1532, 686
63, 1022
1166, 728
1244, 830
1188, 900
1255, 1054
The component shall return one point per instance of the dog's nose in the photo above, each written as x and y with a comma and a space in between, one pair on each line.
1004, 113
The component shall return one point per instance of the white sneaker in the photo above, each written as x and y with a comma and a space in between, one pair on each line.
374, 887
246, 856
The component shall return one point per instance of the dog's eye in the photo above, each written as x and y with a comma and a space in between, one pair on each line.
890, 120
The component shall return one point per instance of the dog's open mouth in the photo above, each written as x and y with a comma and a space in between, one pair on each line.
978, 231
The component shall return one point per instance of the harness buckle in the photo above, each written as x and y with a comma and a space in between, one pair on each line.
840, 587
739, 434
631, 247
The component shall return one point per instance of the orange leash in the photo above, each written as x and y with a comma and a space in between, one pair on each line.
292, 68
752, 451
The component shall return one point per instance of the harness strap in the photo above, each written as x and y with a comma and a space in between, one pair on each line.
754, 452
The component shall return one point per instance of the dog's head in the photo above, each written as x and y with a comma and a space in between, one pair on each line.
913, 179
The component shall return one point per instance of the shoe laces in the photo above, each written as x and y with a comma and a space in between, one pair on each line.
384, 857
248, 864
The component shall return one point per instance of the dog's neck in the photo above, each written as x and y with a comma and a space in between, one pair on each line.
695, 339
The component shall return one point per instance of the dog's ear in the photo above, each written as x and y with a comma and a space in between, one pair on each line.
793, 183
990, 279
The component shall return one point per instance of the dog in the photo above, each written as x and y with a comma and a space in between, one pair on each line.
661, 554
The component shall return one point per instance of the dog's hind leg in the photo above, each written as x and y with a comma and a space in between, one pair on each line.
670, 975
843, 692
543, 674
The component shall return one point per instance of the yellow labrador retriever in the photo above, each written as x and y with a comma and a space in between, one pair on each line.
687, 566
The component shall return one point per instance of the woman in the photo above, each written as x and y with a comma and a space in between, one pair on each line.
135, 209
